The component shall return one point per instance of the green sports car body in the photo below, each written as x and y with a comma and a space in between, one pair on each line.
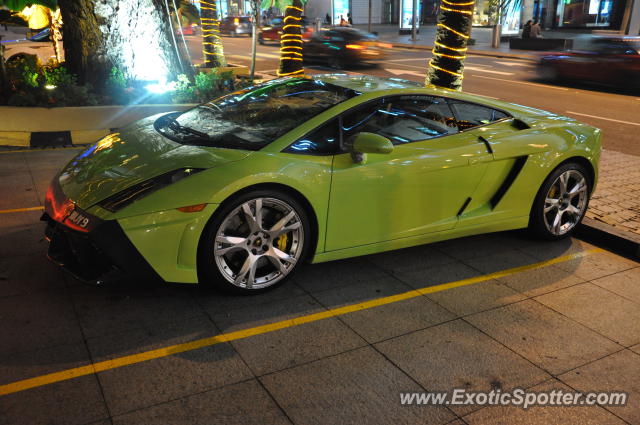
243, 188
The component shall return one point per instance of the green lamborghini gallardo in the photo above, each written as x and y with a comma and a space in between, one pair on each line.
239, 191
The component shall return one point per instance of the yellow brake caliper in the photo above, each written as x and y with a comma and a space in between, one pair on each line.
281, 242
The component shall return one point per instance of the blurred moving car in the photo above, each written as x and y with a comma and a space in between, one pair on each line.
38, 45
273, 31
234, 25
339, 47
604, 60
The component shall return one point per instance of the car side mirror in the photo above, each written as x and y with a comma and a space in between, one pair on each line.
364, 143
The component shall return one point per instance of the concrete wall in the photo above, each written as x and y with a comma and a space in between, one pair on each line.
317, 9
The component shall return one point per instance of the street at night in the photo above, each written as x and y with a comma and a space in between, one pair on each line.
436, 222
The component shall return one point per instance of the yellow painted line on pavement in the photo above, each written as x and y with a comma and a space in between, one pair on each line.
16, 210
102, 366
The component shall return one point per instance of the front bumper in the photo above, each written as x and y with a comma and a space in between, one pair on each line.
93, 250
104, 254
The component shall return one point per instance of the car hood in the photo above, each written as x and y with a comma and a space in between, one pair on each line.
137, 153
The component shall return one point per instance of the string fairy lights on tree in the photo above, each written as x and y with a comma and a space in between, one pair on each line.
450, 47
291, 38
211, 42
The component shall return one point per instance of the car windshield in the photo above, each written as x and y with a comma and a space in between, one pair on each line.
254, 117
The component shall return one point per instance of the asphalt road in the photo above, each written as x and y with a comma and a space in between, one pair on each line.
615, 112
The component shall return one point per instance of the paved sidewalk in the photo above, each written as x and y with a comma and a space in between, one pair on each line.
616, 200
481, 35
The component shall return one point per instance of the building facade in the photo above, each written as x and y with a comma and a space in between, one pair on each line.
613, 15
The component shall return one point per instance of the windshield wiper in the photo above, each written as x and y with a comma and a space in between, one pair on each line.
174, 125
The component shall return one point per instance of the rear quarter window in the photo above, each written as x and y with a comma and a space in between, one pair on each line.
471, 115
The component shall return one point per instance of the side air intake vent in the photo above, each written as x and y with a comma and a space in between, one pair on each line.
519, 124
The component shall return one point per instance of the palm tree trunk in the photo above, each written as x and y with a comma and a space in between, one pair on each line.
211, 42
291, 41
131, 35
450, 48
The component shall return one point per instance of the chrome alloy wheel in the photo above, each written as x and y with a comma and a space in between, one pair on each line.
565, 202
259, 243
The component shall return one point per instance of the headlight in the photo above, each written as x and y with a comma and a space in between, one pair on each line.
122, 199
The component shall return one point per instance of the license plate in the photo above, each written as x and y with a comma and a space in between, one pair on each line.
78, 219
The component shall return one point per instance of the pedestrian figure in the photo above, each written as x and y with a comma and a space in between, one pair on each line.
328, 19
526, 30
535, 30
349, 19
343, 22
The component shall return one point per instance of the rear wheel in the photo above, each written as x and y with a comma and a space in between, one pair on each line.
549, 72
254, 242
335, 62
561, 202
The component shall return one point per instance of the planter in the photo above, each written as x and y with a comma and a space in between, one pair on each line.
38, 127
236, 70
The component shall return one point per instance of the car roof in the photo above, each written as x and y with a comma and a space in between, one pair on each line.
373, 84
366, 83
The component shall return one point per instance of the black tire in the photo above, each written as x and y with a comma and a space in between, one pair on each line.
335, 62
260, 40
549, 72
541, 223
209, 263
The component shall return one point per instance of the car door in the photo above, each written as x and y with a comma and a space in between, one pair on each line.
419, 188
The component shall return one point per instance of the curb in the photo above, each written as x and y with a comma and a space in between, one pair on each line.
508, 55
36, 127
624, 243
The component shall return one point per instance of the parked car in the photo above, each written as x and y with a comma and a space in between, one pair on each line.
611, 61
273, 31
38, 45
234, 25
339, 47
240, 191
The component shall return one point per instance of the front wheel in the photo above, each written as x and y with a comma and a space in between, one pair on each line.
561, 202
254, 242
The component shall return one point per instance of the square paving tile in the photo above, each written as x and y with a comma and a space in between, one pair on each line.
436, 275
477, 246
617, 372
156, 381
244, 403
39, 320
544, 337
626, 284
216, 303
546, 250
76, 401
540, 281
358, 387
22, 239
543, 415
598, 265
456, 355
605, 312
477, 297
319, 277
29, 273
500, 261
386, 321
290, 346
105, 310
418, 257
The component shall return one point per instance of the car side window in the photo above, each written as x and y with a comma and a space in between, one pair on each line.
402, 119
471, 115
322, 141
